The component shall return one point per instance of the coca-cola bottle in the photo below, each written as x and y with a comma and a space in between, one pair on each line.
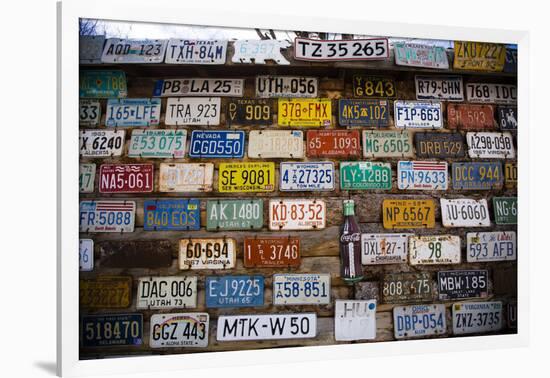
350, 246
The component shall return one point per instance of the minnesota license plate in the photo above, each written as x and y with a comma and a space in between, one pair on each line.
186, 177
464, 212
439, 145
406, 287
155, 293
375, 113
112, 330
86, 178
387, 143
249, 111
462, 284
479, 56
363, 175
199, 87
101, 143
408, 213
271, 252
126, 178
333, 143
507, 117
379, 249
234, 291
418, 55
511, 175
448, 88
196, 51
305, 176
159, 144
343, 49
102, 84
207, 253
89, 112
107, 216
491, 246
245, 214
418, 115
286, 86
106, 292
179, 330
193, 111
492, 93
354, 320
511, 62
419, 321
275, 144
118, 50
490, 145
374, 87
172, 215
86, 255
477, 176
132, 112
90, 48
216, 144
470, 117
422, 175
304, 112
477, 317
301, 289
434, 250
506, 210
246, 177
297, 214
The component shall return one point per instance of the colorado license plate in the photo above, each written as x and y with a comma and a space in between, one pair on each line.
343, 49
418, 115
86, 255
171, 215
102, 84
373, 87
387, 143
419, 321
222, 215
132, 112
297, 214
314, 176
476, 317
406, 287
160, 144
362, 175
462, 284
89, 112
490, 145
112, 330
179, 330
448, 88
155, 293
234, 291
374, 113
507, 117
301, 289
186, 177
106, 292
216, 144
286, 86
199, 87
304, 112
207, 253
470, 117
506, 210
196, 51
477, 176
126, 178
354, 320
479, 56
408, 213
118, 50
377, 249
107, 216
193, 111
249, 111
333, 143
246, 177
422, 175
271, 252
491, 246
439, 145
275, 144
464, 212
418, 55
101, 143
86, 178
436, 249
493, 93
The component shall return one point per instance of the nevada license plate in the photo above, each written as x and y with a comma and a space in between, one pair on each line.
86, 255
408, 213
222, 215
297, 214
419, 321
477, 176
301, 289
507, 117
476, 317
157, 144
479, 56
271, 252
207, 253
511, 175
275, 144
491, 246
112, 330
234, 291
387, 143
89, 112
314, 176
172, 215
417, 55
344, 49
462, 284
374, 113
216, 144
422, 175
439, 145
418, 115
464, 212
246, 177
506, 210
493, 93
90, 48
101, 143
249, 111
406, 287
179, 330
107, 216
362, 175
448, 88
118, 50
132, 112
373, 86
106, 292
354, 320
304, 112
195, 51
470, 117
434, 250
126, 178
333, 143
186, 177
193, 111
199, 87
155, 293
379, 249
286, 86
102, 84
490, 145
86, 178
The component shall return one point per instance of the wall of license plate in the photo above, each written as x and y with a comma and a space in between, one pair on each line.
267, 193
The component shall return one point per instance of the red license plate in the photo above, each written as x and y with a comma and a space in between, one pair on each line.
333, 143
271, 252
470, 117
126, 178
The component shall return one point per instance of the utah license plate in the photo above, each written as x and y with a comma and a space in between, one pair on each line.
344, 49
408, 213
171, 215
86, 255
297, 214
107, 216
246, 177
491, 246
102, 84
304, 112
106, 292
464, 212
418, 115
216, 144
249, 111
387, 143
196, 51
419, 321
470, 117
86, 178
271, 252
333, 143
419, 55
160, 144
301, 289
406, 287
286, 86
379, 249
234, 291
490, 145
179, 330
493, 93
101, 143
375, 113
275, 144
373, 87
506, 210
89, 112
477, 176
362, 175
462, 284
186, 177
314, 176
222, 215
193, 111
97, 330
439, 145
207, 253
199, 87
118, 50
155, 293
448, 88
126, 178
477, 317
434, 250
422, 175
479, 56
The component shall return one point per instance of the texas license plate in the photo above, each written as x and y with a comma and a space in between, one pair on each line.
234, 291
207, 253
406, 287
506, 210
107, 216
155, 293
249, 111
387, 143
477, 176
199, 87
333, 143
297, 214
246, 177
271, 252
102, 84
419, 55
314, 176
86, 178
490, 145
106, 292
193, 111
470, 117
179, 330
434, 250
479, 56
379, 249
491, 246
118, 50
112, 330
408, 213
422, 175
464, 212
476, 317
101, 143
439, 145
362, 175
195, 51
186, 177
304, 112
90, 48
354, 320
493, 93
86, 255
507, 117
216, 144
419, 321
418, 115
373, 87
344, 49
462, 284
159, 144
126, 178
511, 175
375, 113
245, 214
171, 215
89, 112
275, 144
301, 289
448, 88
286, 86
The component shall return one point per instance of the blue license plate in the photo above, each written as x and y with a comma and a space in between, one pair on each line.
363, 113
102, 84
234, 291
477, 176
172, 215
132, 112
511, 62
112, 330
216, 144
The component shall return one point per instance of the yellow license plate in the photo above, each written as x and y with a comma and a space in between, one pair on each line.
510, 175
246, 177
479, 56
408, 213
106, 292
312, 112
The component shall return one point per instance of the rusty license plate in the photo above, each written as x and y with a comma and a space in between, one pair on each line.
406, 288
271, 252
439, 145
470, 117
333, 143
106, 292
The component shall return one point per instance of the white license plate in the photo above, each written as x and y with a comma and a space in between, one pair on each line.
419, 320
90, 112
101, 143
275, 144
86, 255
199, 87
297, 214
491, 246
330, 50
166, 292
487, 145
449, 88
420, 55
492, 93
286, 86
208, 253
422, 175
258, 51
179, 330
107, 216
157, 144
436, 249
186, 177
132, 112
387, 143
193, 111
355, 320
464, 212
266, 327
86, 178
118, 50
195, 51
476, 317
315, 176
301, 289
418, 115
384, 248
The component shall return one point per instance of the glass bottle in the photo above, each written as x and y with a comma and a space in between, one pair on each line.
350, 246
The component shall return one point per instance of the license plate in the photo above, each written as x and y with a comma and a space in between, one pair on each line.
186, 177
465, 212
479, 56
417, 55
131, 112
448, 88
462, 284
477, 176
107, 216
491, 246
126, 178
439, 145
89, 112
172, 215
507, 117
179, 330
193, 111
216, 144
249, 111
408, 213
477, 317
512, 315
106, 292
271, 252
156, 293
493, 93
222, 215
419, 321
258, 51
234, 291
379, 249
406, 288
387, 143
314, 176
102, 84
158, 144
101, 143
246, 177
297, 214
118, 50
86, 255
275, 144
511, 61
354, 320
375, 113
86, 178
266, 327
418, 115
97, 330
363, 175
286, 86
195, 51
139, 254
350, 49
511, 175
301, 289
470, 117
434, 250
506, 210
373, 86
490, 145
199, 87
304, 112
207, 253
90, 48
333, 143
422, 175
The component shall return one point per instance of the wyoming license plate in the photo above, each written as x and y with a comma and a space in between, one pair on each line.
271, 252
297, 214
373, 87
171, 215
305, 112
314, 176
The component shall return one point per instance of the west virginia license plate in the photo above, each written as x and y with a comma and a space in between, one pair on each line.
448, 88
470, 117
419, 55
439, 145
126, 178
216, 144
304, 112
479, 56
199, 87
132, 112
363, 175
464, 212
506, 210
161, 144
106, 292
101, 143
418, 115
374, 113
462, 284
379, 249
271, 252
491, 246
240, 214
246, 177
102, 84
286, 86
249, 111
266, 327
493, 93
107, 216
422, 175
196, 51
373, 87
406, 287
275, 144
193, 111
179, 330
86, 178
118, 50
186, 177
477, 176
387, 143
333, 143
490, 145
155, 293
171, 215
89, 112
344, 49
234, 291
297, 214
301, 289
408, 213
434, 249
112, 330
419, 321
477, 317
209, 253
302, 176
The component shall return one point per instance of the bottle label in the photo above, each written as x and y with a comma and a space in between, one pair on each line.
350, 238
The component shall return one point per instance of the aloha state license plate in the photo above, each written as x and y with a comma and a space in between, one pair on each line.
408, 213
286, 86
434, 250
271, 252
126, 178
90, 48
131, 112
422, 175
305, 176
208, 253
462, 284
492, 93
448, 88
301, 289
202, 111
418, 115
106, 292
155, 293
89, 112
491, 246
506, 210
118, 50
102, 84
304, 112
86, 178
234, 291
465, 212
470, 117
195, 51
101, 143
158, 144
364, 175
179, 330
249, 111
373, 87
97, 330
216, 144
333, 143
476, 317
418, 55
511, 175
477, 176
479, 56
172, 215
487, 145
439, 145
266, 327
406, 287
297, 214
377, 249
246, 177
354, 320
511, 62
199, 87
344, 49
507, 117
240, 214
107, 216
275, 144
387, 143
86, 255
375, 113
419, 320
186, 177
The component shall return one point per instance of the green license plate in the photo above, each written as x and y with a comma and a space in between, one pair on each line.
361, 175
102, 84
234, 214
506, 210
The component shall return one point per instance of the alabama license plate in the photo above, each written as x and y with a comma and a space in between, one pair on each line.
462, 284
492, 93
363, 175
86, 178
387, 143
439, 145
373, 87
196, 51
216, 144
470, 117
422, 175
199, 87
375, 113
246, 177
249, 111
107, 216
106, 292
419, 321
304, 112
118, 50
271, 252
234, 291
126, 178
112, 330
487, 145
476, 317
286, 86
86, 255
479, 56
511, 175
306, 176
477, 176
101, 143
159, 144
490, 246
434, 250
275, 144
89, 112
448, 88
333, 143
179, 330
202, 111
506, 210
507, 117
90, 48
102, 84
155, 293
301, 289
297, 214
132, 112
379, 249
408, 213
418, 115
171, 215
343, 49
240, 214
419, 55
354, 320
186, 177
464, 212
406, 287
209, 253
